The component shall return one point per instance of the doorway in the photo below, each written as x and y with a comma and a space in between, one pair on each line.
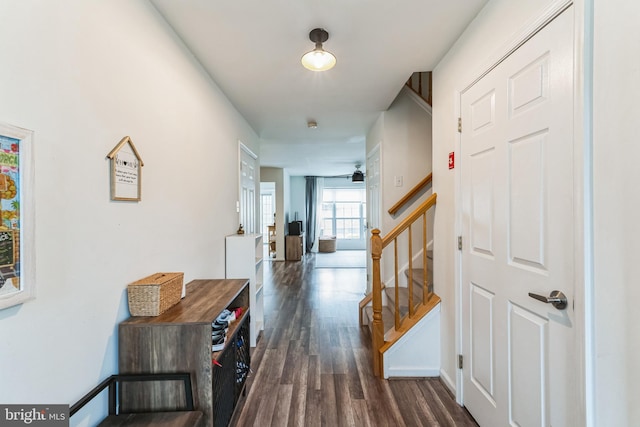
343, 215
268, 218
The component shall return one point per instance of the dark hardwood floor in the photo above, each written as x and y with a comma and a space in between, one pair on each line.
312, 365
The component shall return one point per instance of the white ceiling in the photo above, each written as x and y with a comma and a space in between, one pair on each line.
252, 50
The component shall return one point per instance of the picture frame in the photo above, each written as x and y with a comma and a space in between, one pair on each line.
126, 171
17, 216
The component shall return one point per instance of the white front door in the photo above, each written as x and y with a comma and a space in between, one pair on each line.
247, 189
374, 204
517, 183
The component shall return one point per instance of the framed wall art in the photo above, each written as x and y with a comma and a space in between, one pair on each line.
17, 216
126, 171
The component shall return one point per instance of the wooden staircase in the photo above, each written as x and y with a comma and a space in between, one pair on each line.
395, 310
403, 295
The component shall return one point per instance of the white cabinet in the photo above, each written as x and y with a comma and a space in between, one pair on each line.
244, 258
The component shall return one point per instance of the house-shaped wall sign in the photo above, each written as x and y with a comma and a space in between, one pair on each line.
126, 171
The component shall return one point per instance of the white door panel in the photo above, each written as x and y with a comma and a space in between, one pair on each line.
248, 188
482, 346
517, 220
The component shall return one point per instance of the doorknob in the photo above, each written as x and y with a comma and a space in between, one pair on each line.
557, 298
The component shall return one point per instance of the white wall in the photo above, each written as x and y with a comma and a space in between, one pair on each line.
82, 74
616, 201
298, 192
404, 133
407, 151
493, 28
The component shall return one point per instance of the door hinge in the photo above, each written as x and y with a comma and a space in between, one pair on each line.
459, 243
460, 124
460, 360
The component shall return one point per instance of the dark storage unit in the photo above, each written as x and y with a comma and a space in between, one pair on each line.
179, 340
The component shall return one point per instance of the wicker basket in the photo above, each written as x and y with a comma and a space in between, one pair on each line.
154, 294
327, 244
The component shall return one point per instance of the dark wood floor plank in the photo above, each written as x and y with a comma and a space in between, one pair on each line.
274, 339
326, 354
339, 360
376, 392
344, 410
450, 411
314, 347
304, 340
283, 405
344, 333
299, 393
312, 415
361, 415
424, 408
313, 379
328, 405
414, 408
438, 408
270, 380
353, 377
312, 363
291, 360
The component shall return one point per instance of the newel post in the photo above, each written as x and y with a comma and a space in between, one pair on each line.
377, 326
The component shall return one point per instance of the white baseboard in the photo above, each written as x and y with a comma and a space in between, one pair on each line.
413, 372
447, 381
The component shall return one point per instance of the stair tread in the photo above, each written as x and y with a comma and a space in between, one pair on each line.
403, 293
418, 275
387, 317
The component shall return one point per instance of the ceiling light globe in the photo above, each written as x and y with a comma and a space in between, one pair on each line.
318, 60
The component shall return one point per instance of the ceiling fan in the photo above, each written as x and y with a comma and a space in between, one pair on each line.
358, 175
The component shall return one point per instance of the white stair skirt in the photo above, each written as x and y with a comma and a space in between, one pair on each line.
417, 353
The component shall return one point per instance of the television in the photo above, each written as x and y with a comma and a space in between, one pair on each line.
295, 228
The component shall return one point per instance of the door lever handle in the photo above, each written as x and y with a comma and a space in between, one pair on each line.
557, 298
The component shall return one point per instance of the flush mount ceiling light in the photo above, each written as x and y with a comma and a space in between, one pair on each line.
357, 176
311, 124
318, 59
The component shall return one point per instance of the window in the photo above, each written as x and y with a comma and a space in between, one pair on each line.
343, 213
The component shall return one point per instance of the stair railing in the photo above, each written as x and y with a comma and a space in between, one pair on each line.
422, 84
378, 244
410, 195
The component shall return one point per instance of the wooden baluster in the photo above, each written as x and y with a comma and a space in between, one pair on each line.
377, 327
411, 308
396, 304
425, 287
